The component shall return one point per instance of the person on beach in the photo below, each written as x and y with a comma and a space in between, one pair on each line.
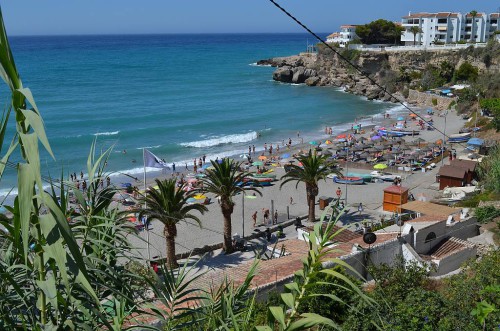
254, 219
265, 147
289, 141
195, 168
84, 186
277, 148
271, 149
338, 192
253, 149
200, 163
78, 185
81, 174
204, 158
186, 166
102, 183
265, 211
173, 167
291, 200
108, 181
298, 134
275, 219
454, 154
360, 208
249, 150
71, 175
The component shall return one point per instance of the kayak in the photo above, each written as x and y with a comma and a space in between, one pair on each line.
397, 133
366, 177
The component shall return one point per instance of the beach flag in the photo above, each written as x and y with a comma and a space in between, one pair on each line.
153, 161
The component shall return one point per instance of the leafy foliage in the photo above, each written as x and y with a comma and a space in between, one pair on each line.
489, 171
466, 73
486, 214
380, 32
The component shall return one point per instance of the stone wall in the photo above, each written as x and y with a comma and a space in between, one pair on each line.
424, 99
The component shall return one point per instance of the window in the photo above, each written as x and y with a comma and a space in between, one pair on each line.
432, 20
442, 21
431, 236
451, 37
495, 21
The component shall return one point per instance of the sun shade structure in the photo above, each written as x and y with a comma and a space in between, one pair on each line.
475, 142
429, 208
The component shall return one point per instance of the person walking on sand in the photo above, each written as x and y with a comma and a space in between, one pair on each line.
254, 219
173, 167
204, 158
265, 147
265, 212
108, 181
275, 219
81, 174
338, 192
291, 200
249, 150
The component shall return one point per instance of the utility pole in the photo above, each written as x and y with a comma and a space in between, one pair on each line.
444, 138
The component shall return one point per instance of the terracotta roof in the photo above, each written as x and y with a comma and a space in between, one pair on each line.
333, 35
342, 237
427, 15
381, 238
396, 189
448, 247
477, 15
429, 208
494, 15
453, 172
348, 26
428, 218
464, 164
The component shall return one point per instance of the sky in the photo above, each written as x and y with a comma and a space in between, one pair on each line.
70, 17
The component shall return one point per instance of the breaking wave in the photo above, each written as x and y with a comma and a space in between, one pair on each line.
217, 141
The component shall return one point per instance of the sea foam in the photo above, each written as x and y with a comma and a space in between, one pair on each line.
229, 139
111, 133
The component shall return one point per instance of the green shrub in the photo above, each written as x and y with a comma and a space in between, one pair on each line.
466, 72
434, 101
486, 214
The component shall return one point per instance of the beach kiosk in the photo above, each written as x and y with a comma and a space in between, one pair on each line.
394, 197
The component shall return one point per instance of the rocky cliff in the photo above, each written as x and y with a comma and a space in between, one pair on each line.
397, 72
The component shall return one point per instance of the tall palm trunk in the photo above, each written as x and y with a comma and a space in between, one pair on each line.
312, 191
170, 231
227, 210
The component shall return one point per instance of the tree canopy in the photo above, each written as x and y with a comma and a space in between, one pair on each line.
380, 32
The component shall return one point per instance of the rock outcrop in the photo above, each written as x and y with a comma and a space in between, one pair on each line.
389, 73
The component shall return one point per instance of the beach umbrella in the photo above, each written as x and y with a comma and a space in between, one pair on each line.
199, 197
377, 137
285, 156
244, 156
341, 136
262, 158
380, 166
250, 197
206, 165
314, 142
401, 118
258, 163
475, 142
328, 142
413, 115
191, 200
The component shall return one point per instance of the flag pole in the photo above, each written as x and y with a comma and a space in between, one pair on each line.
145, 204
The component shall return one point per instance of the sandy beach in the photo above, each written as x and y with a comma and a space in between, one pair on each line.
421, 184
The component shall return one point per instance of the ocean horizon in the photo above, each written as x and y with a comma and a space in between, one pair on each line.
179, 95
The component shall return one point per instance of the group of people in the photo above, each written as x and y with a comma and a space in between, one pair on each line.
82, 183
266, 216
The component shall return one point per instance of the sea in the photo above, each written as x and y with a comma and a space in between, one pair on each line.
180, 96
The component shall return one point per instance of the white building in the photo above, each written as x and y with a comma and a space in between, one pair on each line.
346, 35
447, 27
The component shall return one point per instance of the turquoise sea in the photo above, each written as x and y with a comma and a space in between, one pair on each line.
180, 96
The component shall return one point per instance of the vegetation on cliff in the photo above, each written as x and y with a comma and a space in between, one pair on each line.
380, 32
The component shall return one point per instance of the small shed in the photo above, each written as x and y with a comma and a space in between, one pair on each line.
395, 196
469, 165
450, 176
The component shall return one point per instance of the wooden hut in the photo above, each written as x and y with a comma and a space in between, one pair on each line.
452, 177
395, 196
468, 165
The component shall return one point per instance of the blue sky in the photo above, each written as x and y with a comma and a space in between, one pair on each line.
62, 17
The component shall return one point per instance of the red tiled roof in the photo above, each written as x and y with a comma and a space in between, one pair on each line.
396, 189
427, 15
429, 218
381, 238
343, 236
348, 26
494, 15
333, 35
477, 15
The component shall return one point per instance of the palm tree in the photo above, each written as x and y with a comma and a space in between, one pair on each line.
473, 13
168, 205
224, 180
415, 30
314, 168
